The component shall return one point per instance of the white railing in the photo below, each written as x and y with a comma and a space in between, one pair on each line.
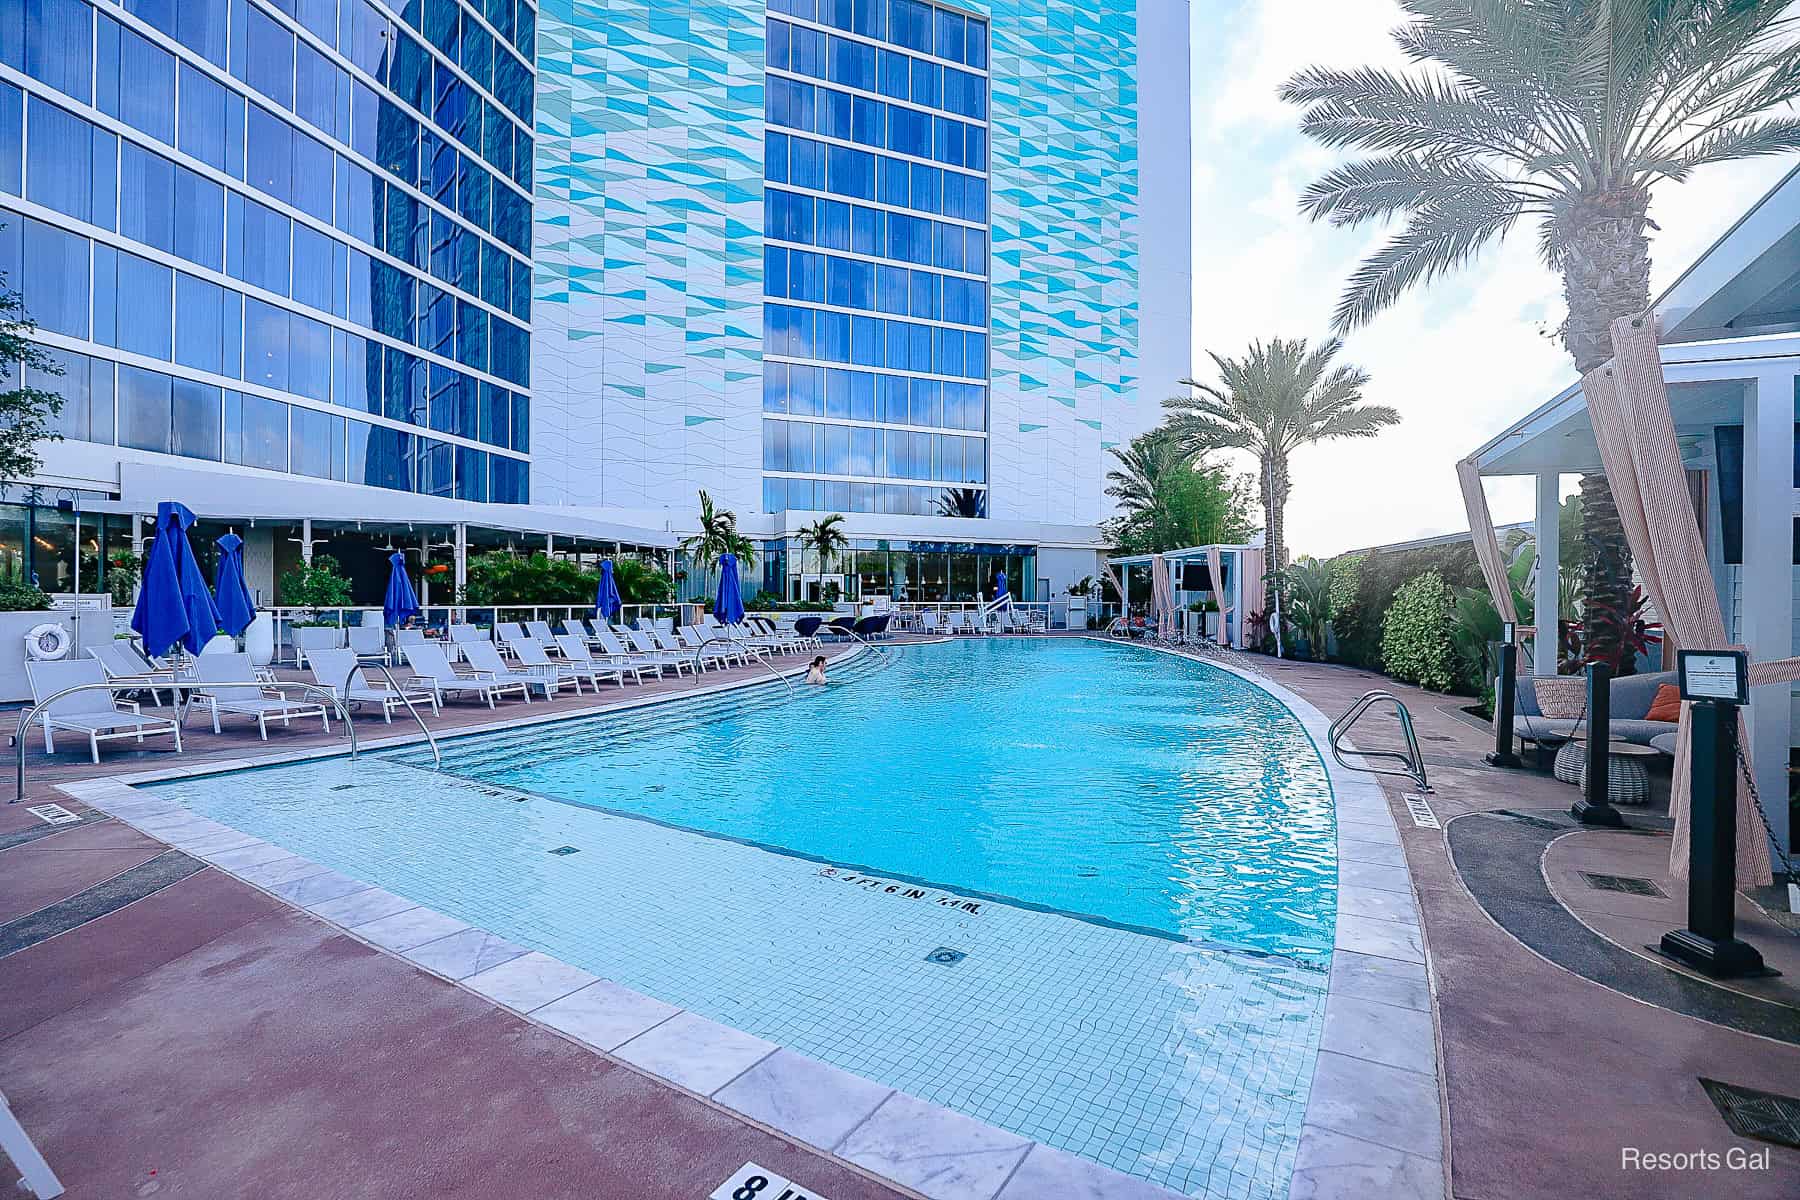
439, 616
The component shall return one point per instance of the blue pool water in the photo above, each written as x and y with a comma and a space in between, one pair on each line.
1135, 854
1096, 780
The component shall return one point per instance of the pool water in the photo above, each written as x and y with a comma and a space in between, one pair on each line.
1134, 854
1098, 781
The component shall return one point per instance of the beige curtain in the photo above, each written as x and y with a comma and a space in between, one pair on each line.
1251, 562
1220, 596
1487, 546
1162, 596
1628, 404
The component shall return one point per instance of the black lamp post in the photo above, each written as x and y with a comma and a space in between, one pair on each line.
1506, 687
1594, 807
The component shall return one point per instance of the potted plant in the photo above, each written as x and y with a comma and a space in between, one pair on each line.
1078, 594
23, 607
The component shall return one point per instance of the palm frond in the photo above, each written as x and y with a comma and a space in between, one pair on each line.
1377, 188
1437, 240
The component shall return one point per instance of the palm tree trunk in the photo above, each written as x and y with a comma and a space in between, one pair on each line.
1271, 535
1605, 261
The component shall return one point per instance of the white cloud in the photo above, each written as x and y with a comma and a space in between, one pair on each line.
1460, 360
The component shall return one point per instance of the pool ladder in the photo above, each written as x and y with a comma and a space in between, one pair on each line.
1412, 762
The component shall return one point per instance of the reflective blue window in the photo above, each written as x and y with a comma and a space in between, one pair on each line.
200, 26
12, 136
321, 92
55, 39
509, 480
309, 357
976, 47
366, 36
909, 24
256, 244
268, 64
806, 163
312, 176
145, 409
202, 132
196, 420
269, 166
144, 88
356, 372
256, 431
200, 323
317, 440
146, 197
265, 344
315, 279
55, 278
59, 169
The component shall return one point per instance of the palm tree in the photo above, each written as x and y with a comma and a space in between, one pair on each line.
1146, 483
962, 502
718, 537
825, 538
1272, 401
1568, 112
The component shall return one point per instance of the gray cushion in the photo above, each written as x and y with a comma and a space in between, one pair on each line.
1631, 696
1534, 729
1664, 742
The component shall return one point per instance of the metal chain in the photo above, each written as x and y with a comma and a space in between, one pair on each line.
1787, 864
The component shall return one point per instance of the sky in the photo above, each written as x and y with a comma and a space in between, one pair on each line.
1460, 359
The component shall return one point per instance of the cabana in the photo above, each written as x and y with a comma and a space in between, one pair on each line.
1231, 576
1727, 338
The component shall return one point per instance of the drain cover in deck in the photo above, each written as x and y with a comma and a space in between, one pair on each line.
1753, 1114
566, 850
944, 956
1631, 885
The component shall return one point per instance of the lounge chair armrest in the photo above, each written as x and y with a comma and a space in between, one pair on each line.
128, 705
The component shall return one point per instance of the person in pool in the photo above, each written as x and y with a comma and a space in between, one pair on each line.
815, 670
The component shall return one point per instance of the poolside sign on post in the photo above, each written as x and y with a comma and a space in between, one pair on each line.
1716, 683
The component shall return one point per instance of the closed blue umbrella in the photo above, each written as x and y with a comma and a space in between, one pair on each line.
607, 601
729, 607
231, 594
401, 603
174, 605
1000, 586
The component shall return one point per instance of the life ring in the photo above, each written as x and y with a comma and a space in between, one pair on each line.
48, 642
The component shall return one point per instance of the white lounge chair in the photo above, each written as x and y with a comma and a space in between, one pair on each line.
433, 672
97, 713
370, 642
540, 630
308, 638
484, 657
508, 631
340, 671
613, 651
649, 651
131, 669
712, 648
248, 700
576, 651
928, 622
532, 658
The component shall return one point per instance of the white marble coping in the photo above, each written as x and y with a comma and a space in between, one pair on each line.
924, 1148
1374, 1118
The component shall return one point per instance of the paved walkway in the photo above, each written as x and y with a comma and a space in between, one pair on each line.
167, 1030
1552, 1081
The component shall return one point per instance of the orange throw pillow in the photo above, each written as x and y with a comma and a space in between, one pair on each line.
1667, 705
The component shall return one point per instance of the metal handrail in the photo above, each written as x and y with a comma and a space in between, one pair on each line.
1412, 761
756, 652
176, 685
437, 759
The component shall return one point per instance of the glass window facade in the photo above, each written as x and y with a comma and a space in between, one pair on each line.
301, 207
875, 268
914, 571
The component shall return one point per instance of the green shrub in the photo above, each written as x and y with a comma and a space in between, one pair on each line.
321, 585
18, 595
1418, 634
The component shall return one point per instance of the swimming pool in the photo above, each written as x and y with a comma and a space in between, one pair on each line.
1133, 854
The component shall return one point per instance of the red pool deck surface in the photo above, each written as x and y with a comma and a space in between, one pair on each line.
211, 1041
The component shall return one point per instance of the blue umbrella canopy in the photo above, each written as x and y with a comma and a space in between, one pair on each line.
174, 605
607, 601
729, 607
231, 595
401, 603
1000, 585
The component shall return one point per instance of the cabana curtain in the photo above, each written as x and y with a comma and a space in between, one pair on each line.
1220, 595
1162, 596
1487, 546
1628, 405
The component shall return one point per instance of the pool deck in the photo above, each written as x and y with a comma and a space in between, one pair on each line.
167, 1028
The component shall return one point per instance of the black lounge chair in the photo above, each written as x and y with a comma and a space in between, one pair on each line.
873, 626
840, 626
808, 626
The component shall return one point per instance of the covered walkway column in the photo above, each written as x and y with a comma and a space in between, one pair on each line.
1545, 614
1766, 610
462, 562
